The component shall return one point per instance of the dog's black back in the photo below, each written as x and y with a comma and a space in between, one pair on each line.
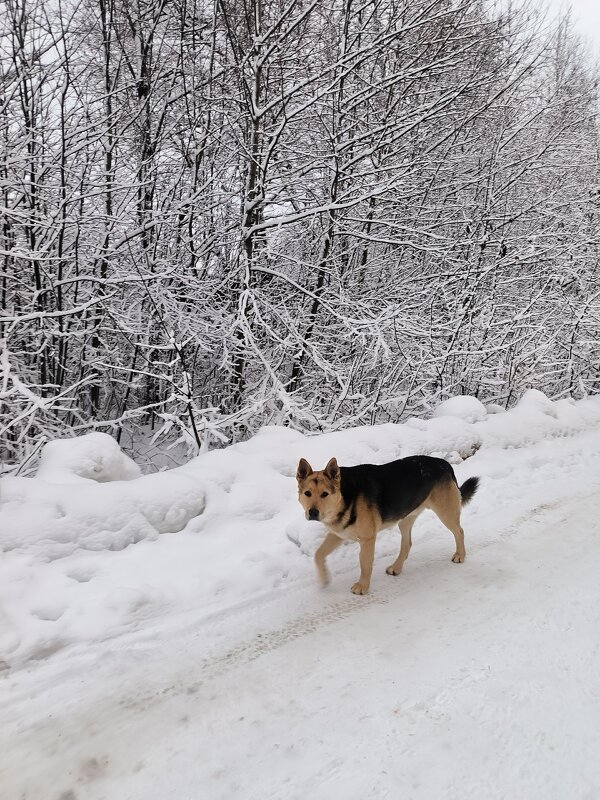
396, 488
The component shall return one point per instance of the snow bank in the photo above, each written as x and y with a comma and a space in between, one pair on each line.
88, 561
53, 520
464, 407
93, 457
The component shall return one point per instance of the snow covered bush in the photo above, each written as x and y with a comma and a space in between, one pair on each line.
93, 457
469, 409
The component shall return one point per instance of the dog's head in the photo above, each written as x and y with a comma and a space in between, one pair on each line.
319, 492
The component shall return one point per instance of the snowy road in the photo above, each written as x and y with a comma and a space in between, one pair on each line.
479, 680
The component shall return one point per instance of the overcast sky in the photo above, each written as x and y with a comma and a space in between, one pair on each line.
586, 14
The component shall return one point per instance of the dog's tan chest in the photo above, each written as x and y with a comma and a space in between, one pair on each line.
347, 534
359, 521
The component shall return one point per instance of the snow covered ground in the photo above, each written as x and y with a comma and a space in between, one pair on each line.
163, 636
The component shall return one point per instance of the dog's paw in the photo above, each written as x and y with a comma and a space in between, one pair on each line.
458, 559
393, 571
359, 588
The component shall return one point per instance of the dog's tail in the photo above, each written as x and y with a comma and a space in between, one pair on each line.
468, 489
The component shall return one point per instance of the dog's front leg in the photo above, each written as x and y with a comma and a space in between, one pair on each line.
329, 544
367, 553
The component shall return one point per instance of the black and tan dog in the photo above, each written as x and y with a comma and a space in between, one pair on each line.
355, 503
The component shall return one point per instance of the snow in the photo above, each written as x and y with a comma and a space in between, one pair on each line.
164, 636
470, 409
93, 457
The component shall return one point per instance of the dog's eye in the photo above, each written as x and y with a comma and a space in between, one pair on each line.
324, 494
308, 494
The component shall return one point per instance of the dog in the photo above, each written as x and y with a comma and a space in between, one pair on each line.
355, 503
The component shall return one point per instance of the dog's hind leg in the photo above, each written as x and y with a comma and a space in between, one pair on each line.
405, 526
329, 544
445, 500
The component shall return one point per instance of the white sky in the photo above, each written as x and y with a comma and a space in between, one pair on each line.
586, 14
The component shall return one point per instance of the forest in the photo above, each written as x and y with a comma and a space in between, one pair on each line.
224, 214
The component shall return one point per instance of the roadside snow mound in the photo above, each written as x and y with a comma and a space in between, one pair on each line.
83, 563
50, 520
534, 400
93, 457
463, 407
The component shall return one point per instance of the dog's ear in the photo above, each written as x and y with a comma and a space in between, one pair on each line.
304, 470
332, 471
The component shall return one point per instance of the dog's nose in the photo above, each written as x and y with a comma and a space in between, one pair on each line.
313, 513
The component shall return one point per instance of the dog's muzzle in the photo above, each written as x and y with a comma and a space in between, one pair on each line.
312, 513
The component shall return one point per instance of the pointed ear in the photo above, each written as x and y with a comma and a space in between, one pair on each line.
304, 470
332, 471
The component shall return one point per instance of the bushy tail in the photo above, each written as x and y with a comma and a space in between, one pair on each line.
468, 489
